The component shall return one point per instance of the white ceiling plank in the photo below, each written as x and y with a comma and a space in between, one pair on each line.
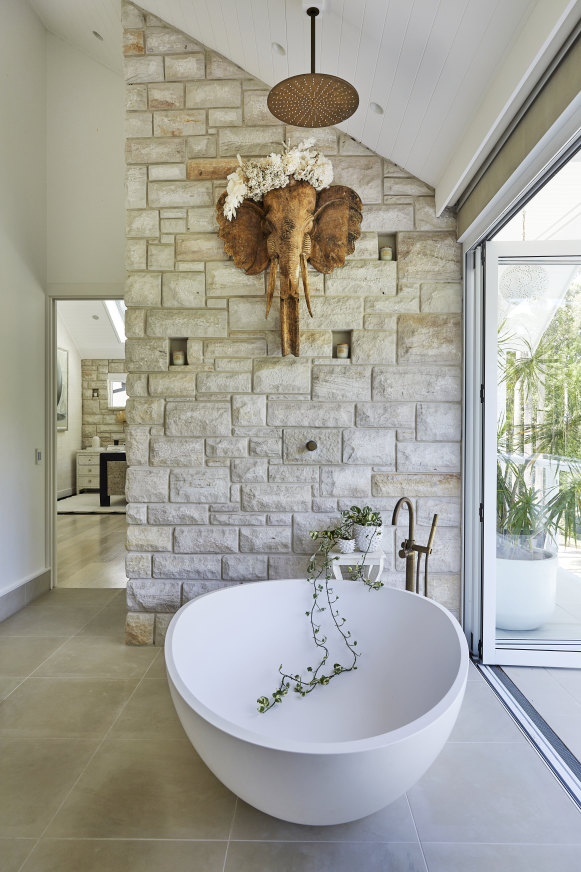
263, 39
373, 28
331, 27
277, 25
232, 29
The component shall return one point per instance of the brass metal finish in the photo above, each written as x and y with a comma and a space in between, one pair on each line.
312, 445
409, 548
313, 99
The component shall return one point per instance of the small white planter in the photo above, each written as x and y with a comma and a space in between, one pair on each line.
525, 592
367, 538
345, 546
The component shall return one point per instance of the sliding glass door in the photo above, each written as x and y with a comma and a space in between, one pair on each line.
531, 483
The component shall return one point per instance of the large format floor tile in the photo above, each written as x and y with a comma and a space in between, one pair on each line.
149, 714
64, 707
35, 778
392, 824
21, 655
324, 857
502, 858
55, 855
483, 718
7, 685
493, 792
146, 789
47, 620
13, 852
98, 656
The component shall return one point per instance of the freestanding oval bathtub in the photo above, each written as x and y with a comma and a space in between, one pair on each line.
347, 749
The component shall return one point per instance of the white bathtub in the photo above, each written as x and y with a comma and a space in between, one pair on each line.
346, 750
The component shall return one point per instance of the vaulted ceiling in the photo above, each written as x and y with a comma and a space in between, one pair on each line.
448, 74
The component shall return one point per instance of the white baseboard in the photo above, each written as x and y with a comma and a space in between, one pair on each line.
23, 593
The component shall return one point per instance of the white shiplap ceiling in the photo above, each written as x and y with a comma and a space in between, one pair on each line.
449, 74
90, 328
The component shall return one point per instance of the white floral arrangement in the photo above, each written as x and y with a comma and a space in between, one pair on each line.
254, 178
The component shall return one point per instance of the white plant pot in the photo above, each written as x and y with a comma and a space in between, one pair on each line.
525, 592
345, 546
367, 538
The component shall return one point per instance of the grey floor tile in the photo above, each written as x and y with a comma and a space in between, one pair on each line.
570, 679
109, 622
21, 655
324, 857
157, 668
391, 824
98, 656
64, 707
34, 779
150, 713
541, 689
568, 729
502, 858
493, 792
86, 597
146, 789
7, 685
88, 855
473, 673
13, 852
483, 718
47, 620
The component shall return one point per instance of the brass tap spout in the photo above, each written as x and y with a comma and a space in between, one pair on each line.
407, 546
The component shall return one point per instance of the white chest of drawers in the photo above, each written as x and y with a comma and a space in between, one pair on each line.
88, 469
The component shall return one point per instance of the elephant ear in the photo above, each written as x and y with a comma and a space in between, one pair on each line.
336, 227
243, 236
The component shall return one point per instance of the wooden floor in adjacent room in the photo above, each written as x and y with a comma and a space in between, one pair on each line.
91, 551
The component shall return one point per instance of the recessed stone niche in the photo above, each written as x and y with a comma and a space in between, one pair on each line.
221, 489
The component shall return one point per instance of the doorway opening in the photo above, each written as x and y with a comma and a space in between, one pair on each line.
89, 457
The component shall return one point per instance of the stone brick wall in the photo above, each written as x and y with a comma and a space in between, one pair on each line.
220, 485
98, 418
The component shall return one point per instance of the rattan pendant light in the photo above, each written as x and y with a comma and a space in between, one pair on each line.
313, 99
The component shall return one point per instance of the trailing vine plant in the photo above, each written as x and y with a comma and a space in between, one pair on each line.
324, 599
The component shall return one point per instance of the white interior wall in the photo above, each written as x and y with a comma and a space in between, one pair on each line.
69, 441
22, 279
86, 170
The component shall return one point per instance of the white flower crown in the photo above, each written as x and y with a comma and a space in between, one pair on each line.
254, 178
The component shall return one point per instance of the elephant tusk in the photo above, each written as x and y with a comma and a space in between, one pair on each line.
271, 284
305, 275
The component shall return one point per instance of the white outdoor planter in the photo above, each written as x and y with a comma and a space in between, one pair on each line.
345, 546
525, 592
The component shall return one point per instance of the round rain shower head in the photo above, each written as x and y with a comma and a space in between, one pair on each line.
313, 99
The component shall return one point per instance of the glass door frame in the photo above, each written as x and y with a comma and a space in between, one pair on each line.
481, 381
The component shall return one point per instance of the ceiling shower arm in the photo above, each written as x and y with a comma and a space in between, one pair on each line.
312, 11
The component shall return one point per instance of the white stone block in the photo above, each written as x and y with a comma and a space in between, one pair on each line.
265, 539
135, 254
143, 69
147, 595
255, 109
184, 68
156, 151
435, 256
265, 446
144, 222
341, 382
388, 219
313, 343
287, 375
226, 280
362, 173
202, 146
391, 415
146, 355
165, 40
248, 411
186, 322
144, 410
249, 314
166, 95
439, 422
328, 448
433, 383
369, 446
379, 346
309, 414
441, 297
145, 538
385, 484
136, 513
138, 565
136, 187
325, 137
167, 451
287, 566
199, 486
186, 566
448, 511
293, 474
212, 540
160, 256
406, 187
219, 67
202, 220
174, 513
185, 194
428, 457
198, 419
366, 247
209, 94
250, 140
138, 124
245, 567
249, 470
363, 278
426, 218
224, 117
343, 481
180, 122
200, 246
275, 497
143, 289
136, 98
304, 523
224, 382
429, 339
184, 289
147, 485
227, 446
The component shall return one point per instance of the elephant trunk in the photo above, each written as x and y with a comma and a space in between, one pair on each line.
289, 317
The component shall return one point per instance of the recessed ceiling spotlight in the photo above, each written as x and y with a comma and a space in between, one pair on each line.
375, 107
278, 48
95, 317
97, 35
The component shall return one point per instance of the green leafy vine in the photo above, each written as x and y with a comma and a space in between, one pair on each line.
320, 573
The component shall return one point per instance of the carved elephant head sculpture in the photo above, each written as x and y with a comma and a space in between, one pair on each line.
293, 225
